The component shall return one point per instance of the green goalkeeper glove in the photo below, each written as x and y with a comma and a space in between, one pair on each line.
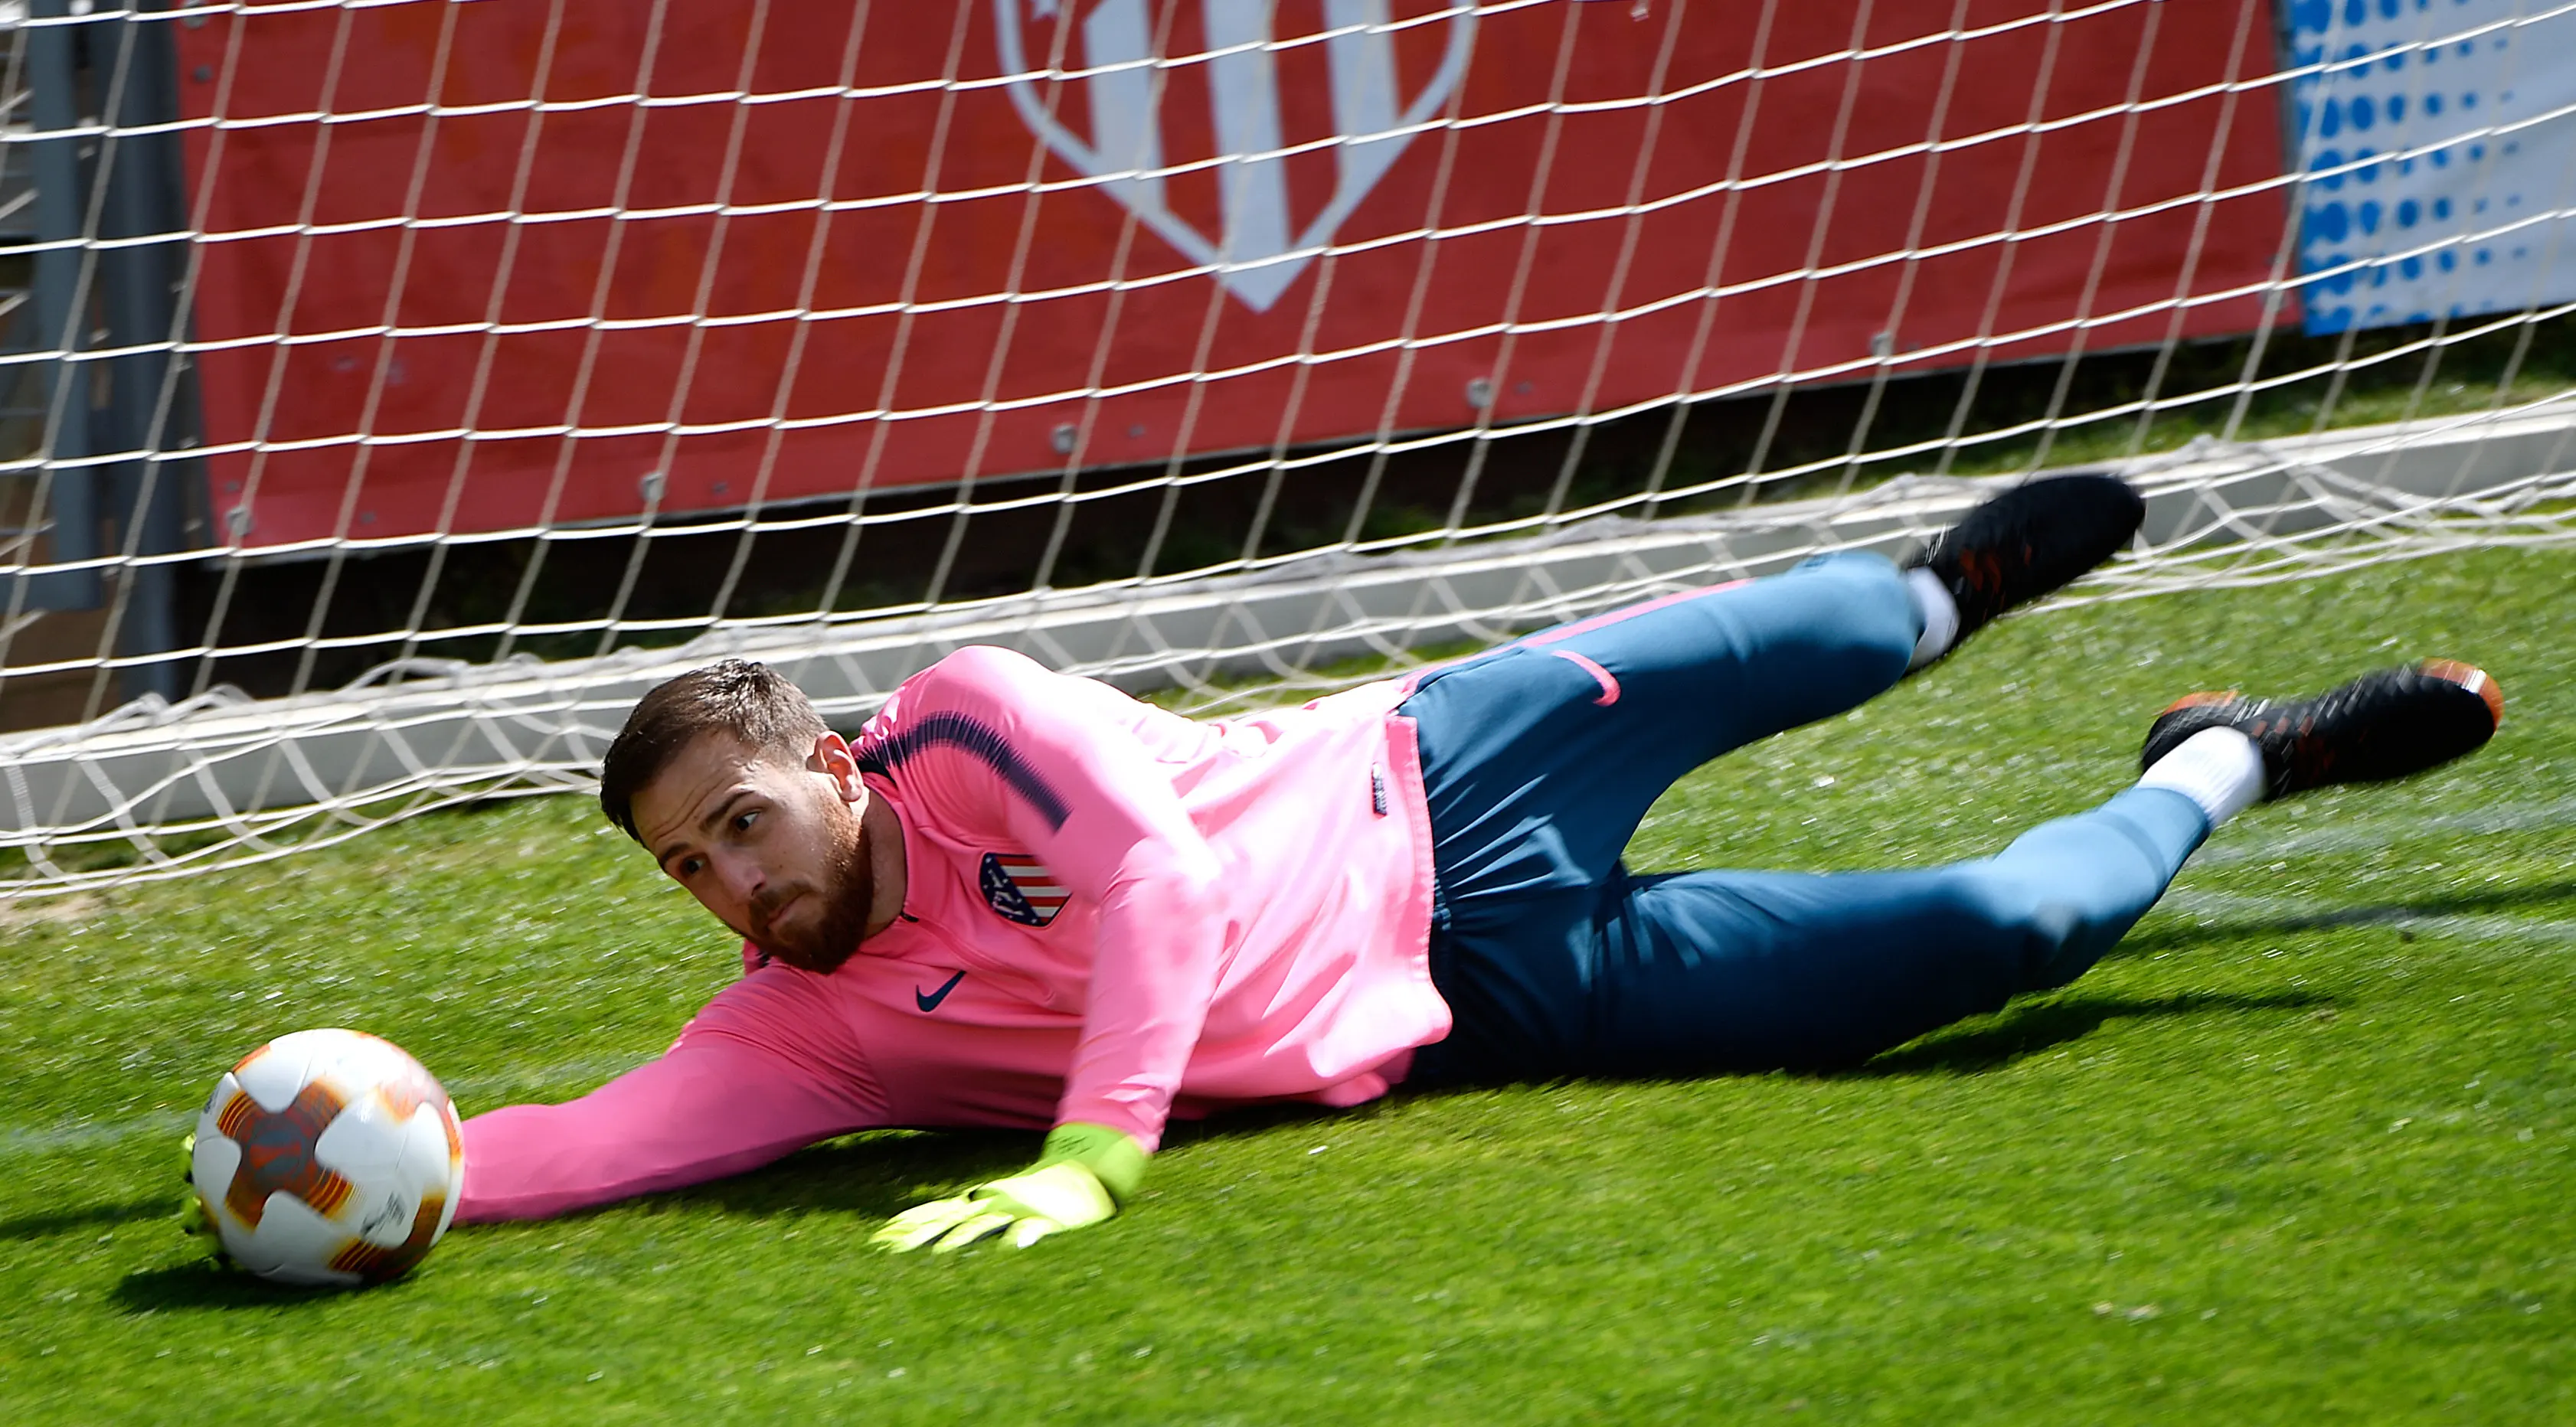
1082, 1176
192, 1210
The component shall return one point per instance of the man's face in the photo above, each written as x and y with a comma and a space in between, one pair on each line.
772, 846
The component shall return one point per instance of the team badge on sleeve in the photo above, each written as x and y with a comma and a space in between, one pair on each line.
1021, 889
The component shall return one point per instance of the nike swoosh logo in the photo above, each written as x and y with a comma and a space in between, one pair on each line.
931, 1001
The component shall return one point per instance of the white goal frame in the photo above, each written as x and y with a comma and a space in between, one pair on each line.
192, 774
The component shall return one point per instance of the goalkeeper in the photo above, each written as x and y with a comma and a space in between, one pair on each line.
1023, 899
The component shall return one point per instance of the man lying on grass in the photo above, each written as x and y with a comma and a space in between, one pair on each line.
1022, 899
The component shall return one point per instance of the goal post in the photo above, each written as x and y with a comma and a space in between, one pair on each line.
395, 388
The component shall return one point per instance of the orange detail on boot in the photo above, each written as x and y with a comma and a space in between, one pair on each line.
2472, 678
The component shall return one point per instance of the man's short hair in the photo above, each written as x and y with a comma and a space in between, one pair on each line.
750, 702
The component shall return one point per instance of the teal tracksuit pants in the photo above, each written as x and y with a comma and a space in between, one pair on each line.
1540, 758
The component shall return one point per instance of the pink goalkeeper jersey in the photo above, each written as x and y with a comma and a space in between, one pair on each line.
1111, 914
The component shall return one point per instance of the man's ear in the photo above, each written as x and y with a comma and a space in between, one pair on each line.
833, 759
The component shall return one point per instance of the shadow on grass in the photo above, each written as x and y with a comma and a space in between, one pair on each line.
870, 1175
45, 1226
207, 1283
2019, 1031
882, 1173
867, 1176
2500, 899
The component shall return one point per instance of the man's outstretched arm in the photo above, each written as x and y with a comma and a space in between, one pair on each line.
715, 1105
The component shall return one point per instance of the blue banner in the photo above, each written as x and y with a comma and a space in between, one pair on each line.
2437, 139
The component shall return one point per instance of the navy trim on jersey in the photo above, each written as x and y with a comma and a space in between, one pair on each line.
968, 734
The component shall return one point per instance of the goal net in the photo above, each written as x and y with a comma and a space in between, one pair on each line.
394, 389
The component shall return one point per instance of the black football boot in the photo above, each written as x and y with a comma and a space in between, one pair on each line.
2030, 541
2383, 725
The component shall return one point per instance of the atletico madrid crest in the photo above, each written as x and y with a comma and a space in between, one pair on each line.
1021, 889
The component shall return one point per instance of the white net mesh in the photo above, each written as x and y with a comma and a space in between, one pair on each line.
395, 390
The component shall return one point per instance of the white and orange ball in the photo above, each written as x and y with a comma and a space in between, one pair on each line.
328, 1158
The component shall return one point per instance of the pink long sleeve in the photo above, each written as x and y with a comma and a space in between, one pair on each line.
741, 1088
1161, 934
1056, 766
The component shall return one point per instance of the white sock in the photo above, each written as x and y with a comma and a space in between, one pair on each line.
2218, 768
1940, 616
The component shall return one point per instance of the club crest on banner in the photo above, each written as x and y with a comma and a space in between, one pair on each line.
1136, 99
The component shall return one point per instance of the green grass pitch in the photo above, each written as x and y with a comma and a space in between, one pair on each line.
2298, 1152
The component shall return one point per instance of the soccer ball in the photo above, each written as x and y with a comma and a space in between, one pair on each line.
328, 1158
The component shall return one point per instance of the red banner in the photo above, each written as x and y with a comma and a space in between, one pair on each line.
546, 261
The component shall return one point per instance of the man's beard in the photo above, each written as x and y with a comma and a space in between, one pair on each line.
848, 894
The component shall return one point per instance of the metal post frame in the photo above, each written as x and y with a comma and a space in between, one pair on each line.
67, 491
142, 262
